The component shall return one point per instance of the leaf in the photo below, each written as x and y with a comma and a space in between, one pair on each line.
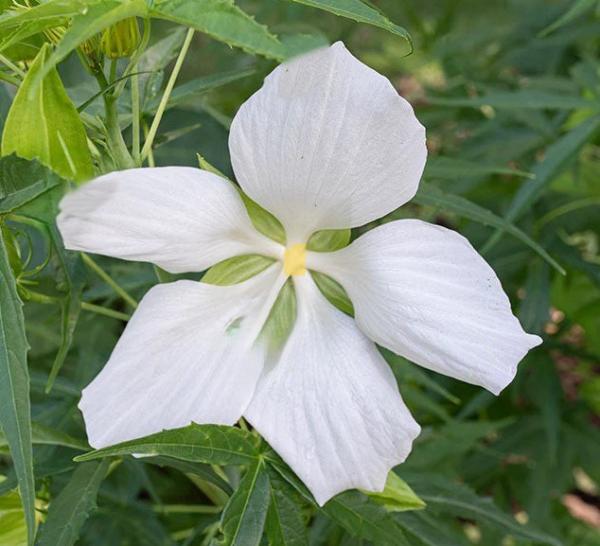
72, 507
237, 269
359, 515
397, 495
43, 124
223, 21
578, 7
21, 181
443, 495
520, 99
15, 410
430, 530
243, 518
334, 292
432, 196
191, 89
213, 444
328, 240
557, 156
360, 12
13, 530
90, 21
534, 312
284, 525
365, 519
450, 168
41, 434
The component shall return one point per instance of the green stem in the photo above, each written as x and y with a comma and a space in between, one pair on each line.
12, 66
86, 306
187, 509
135, 122
167, 93
108, 279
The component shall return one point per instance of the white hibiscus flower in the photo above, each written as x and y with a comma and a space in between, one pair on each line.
326, 143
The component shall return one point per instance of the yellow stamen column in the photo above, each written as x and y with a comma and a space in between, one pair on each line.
294, 259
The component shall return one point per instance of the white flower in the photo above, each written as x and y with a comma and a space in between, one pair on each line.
326, 143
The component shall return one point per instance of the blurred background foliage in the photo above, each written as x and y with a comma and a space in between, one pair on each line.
509, 91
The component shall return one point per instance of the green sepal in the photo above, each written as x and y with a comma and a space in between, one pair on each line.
334, 292
280, 321
237, 269
328, 240
397, 495
261, 219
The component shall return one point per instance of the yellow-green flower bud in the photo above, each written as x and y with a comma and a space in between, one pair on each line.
121, 39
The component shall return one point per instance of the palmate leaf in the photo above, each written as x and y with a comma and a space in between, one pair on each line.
284, 525
71, 508
359, 11
212, 444
243, 518
44, 435
15, 409
43, 124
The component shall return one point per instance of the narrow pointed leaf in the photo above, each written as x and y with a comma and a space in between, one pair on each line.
73, 505
397, 495
432, 196
15, 409
243, 518
213, 444
360, 12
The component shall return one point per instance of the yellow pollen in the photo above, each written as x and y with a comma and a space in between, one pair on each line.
294, 259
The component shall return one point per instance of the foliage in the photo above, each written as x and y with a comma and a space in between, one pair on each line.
510, 95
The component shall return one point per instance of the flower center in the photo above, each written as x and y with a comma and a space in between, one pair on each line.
294, 259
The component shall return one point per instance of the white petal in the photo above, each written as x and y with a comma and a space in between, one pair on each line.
330, 405
188, 354
327, 142
425, 293
180, 218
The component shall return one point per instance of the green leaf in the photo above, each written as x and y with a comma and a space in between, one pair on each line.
397, 495
213, 444
432, 196
282, 317
15, 410
534, 312
450, 168
43, 123
365, 519
557, 156
328, 240
334, 292
359, 515
21, 181
222, 20
95, 17
521, 99
72, 507
41, 434
443, 495
578, 7
237, 269
360, 12
243, 518
13, 530
284, 525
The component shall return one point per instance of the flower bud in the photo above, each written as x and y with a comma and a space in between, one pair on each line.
121, 39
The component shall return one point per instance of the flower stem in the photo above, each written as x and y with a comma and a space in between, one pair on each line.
98, 309
135, 121
108, 280
12, 66
167, 93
